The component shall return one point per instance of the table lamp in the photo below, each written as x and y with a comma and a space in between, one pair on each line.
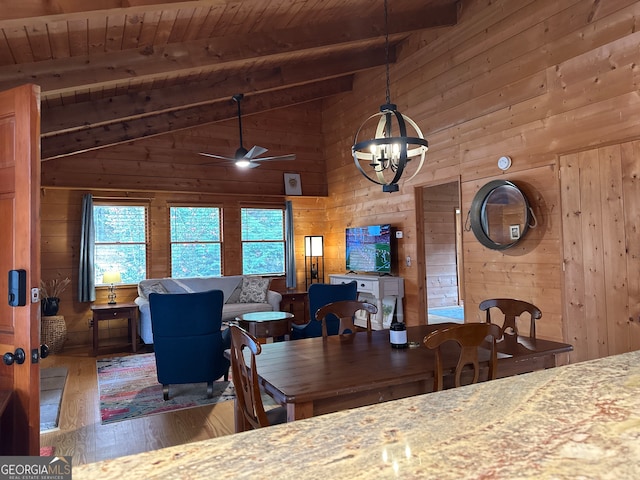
111, 278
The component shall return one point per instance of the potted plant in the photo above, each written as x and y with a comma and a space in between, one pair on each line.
50, 295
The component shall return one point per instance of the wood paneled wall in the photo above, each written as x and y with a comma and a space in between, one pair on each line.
533, 79
601, 221
172, 162
61, 217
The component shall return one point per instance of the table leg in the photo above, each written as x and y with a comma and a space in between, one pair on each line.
133, 328
298, 411
95, 336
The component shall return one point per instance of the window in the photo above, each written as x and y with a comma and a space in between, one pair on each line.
120, 241
195, 242
262, 241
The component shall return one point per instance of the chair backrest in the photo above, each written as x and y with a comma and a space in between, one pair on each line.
245, 378
187, 338
469, 336
345, 311
512, 309
321, 294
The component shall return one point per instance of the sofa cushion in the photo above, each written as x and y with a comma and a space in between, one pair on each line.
254, 290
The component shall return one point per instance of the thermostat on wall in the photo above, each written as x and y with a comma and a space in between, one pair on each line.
504, 163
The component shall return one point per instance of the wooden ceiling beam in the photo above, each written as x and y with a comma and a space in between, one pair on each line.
103, 136
219, 86
106, 70
20, 9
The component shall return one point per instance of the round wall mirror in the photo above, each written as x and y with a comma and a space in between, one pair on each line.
500, 215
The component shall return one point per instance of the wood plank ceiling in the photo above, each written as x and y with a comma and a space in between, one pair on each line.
112, 71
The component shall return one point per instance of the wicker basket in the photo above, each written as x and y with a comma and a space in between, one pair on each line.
53, 332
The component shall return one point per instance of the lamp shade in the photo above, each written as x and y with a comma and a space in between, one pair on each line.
313, 246
111, 277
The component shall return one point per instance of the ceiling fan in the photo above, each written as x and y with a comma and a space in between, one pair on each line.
244, 158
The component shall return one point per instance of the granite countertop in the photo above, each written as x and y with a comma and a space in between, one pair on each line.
576, 421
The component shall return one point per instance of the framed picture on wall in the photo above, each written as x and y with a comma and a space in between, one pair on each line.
292, 184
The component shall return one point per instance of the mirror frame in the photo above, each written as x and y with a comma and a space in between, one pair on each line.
478, 209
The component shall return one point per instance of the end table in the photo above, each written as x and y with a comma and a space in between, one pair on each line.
297, 303
114, 311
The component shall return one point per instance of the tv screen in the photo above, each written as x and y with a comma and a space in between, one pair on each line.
369, 249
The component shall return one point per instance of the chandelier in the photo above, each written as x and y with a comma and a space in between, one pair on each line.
383, 159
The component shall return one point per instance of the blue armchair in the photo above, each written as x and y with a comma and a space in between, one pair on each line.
321, 294
188, 342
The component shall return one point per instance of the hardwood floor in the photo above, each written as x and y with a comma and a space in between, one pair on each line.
82, 436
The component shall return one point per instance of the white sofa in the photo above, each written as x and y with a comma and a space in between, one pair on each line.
231, 286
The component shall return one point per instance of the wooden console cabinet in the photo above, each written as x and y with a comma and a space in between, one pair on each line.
385, 292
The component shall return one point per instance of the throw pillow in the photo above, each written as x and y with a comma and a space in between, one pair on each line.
153, 288
254, 290
235, 295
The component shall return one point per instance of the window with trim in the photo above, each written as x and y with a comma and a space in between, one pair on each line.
196, 242
120, 241
262, 241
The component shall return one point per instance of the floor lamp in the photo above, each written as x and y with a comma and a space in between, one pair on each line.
313, 260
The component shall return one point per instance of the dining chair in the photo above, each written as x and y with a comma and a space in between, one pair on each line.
345, 311
470, 337
512, 310
187, 340
249, 403
319, 295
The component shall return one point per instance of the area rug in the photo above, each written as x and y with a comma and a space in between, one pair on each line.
129, 388
52, 381
47, 451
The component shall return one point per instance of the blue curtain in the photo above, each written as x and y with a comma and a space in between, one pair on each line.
290, 256
86, 271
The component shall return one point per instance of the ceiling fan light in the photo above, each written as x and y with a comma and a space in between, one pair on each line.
242, 163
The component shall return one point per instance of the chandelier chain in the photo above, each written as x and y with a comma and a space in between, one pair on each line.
386, 48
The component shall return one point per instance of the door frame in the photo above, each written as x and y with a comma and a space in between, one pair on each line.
420, 250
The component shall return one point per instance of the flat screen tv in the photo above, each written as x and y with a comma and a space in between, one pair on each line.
369, 249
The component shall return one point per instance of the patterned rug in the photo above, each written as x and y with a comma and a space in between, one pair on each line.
129, 388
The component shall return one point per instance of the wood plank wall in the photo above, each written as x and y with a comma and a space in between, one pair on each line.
601, 220
61, 217
533, 79
172, 162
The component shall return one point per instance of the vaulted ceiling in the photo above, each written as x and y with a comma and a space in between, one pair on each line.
112, 71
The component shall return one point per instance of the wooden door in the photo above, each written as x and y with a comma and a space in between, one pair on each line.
600, 222
20, 249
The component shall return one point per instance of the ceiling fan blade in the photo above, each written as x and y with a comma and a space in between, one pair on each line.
253, 164
255, 151
217, 156
279, 157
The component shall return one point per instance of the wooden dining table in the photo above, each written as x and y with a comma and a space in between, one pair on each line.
315, 376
